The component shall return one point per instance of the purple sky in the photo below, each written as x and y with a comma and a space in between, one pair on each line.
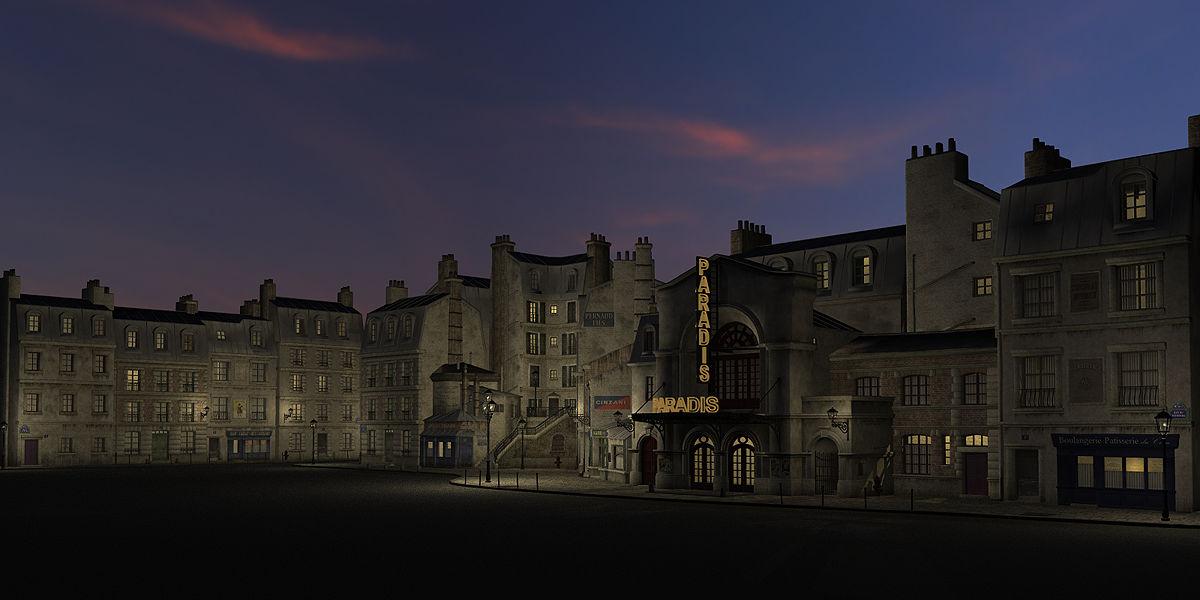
200, 146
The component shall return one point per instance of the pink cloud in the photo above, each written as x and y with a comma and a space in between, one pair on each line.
236, 27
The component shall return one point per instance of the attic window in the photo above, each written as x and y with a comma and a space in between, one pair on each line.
1135, 204
1043, 213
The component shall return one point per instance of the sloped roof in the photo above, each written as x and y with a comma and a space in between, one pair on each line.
457, 368
58, 302
539, 259
305, 304
821, 319
127, 313
829, 240
636, 355
476, 282
225, 317
957, 339
413, 302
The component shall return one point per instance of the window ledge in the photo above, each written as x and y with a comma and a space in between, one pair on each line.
1137, 313
1135, 409
1134, 226
1032, 411
1027, 321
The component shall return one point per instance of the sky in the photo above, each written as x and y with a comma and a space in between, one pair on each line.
200, 146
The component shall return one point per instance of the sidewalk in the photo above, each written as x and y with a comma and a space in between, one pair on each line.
569, 482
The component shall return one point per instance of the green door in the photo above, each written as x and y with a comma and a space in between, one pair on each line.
158, 446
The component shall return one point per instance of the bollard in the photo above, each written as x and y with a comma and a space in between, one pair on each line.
497, 478
536, 485
864, 498
518, 480
781, 494
464, 477
912, 501
481, 479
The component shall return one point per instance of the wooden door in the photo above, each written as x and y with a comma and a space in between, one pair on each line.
975, 467
649, 460
31, 452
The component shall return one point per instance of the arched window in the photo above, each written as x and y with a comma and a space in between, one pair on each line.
572, 280
408, 326
780, 263
1135, 196
742, 465
862, 262
391, 329
160, 339
187, 341
131, 338
373, 331
738, 374
917, 449
319, 326
256, 339
702, 462
298, 324
736, 335
822, 267
535, 280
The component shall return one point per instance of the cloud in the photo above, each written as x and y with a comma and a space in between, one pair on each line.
239, 28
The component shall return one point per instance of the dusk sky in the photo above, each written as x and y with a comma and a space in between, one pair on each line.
201, 146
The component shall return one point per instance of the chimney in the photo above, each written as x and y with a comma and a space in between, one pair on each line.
1043, 159
747, 237
1194, 131
251, 308
643, 276
98, 294
599, 264
346, 297
266, 293
395, 291
187, 304
447, 267
12, 284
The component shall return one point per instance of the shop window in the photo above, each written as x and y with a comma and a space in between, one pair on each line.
917, 451
1085, 472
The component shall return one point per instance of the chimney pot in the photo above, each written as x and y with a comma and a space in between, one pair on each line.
1194, 131
914, 151
925, 151
939, 147
953, 146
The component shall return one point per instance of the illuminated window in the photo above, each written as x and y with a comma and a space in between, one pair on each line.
1134, 204
916, 390
131, 338
297, 382
1139, 378
743, 464
974, 388
702, 462
133, 411
1043, 213
917, 449
99, 327
862, 262
189, 381
341, 328
535, 312
823, 269
946, 450
187, 412
33, 323
298, 324
220, 370
319, 326
534, 343
1138, 286
67, 403
553, 341
323, 383
1085, 471
67, 325
256, 339
33, 403
554, 309
221, 334
982, 231
133, 380
160, 339
296, 355
983, 286
866, 386
33, 361
66, 362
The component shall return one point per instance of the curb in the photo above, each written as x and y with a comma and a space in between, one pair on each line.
936, 513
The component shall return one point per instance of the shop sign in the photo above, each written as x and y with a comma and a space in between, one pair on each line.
685, 404
248, 434
598, 319
1112, 440
705, 321
611, 402
1179, 411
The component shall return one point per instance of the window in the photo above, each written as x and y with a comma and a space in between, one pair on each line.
982, 231
347, 441
33, 403
535, 379
160, 339
99, 328
66, 362
133, 380
650, 389
570, 312
389, 408
535, 312
369, 409
568, 378
133, 442
553, 341
133, 411
66, 403
188, 341
1139, 378
1039, 295
823, 269
187, 412
570, 345
406, 406
33, 361
389, 374
975, 441
554, 309
258, 372
297, 382
702, 462
256, 339
572, 280
99, 404
33, 323
347, 383
323, 383
100, 364
390, 329
162, 381
258, 409
162, 412
372, 375
187, 442
1043, 213
323, 358
323, 412
863, 269
553, 374
221, 370
974, 388
296, 355
1038, 381
221, 334
131, 339
983, 286
534, 343
373, 332
347, 412
408, 326
406, 439
407, 368
917, 449
866, 386
1134, 205
1137, 286
946, 450
296, 411
67, 325
66, 445
222, 412
298, 324
916, 390
648, 341
347, 360
341, 328
98, 445
296, 442
319, 326
535, 280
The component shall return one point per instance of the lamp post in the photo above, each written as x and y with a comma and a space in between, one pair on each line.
313, 425
522, 424
1163, 422
490, 409
842, 425
4, 434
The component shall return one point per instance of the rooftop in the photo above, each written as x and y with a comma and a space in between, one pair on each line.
538, 259
413, 302
305, 304
829, 240
958, 339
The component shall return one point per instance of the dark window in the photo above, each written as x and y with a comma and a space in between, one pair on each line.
1043, 213
866, 386
916, 390
1039, 295
974, 388
1039, 381
823, 269
1139, 378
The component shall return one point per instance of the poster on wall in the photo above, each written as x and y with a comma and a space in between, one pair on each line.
611, 402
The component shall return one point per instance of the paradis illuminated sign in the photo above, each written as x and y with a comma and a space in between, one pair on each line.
686, 404
704, 321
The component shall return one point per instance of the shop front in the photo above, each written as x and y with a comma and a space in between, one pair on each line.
248, 446
1116, 470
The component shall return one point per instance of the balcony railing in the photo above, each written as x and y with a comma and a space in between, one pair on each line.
1039, 398
1138, 395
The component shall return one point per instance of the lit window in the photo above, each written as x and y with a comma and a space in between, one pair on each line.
946, 450
917, 449
256, 339
131, 339
341, 328
863, 268
982, 231
221, 370
702, 462
33, 323
67, 325
220, 334
66, 363
160, 340
133, 380
983, 286
1043, 213
33, 361
554, 309
1134, 203
33, 403
975, 441
1138, 286
823, 269
100, 364
298, 324
319, 326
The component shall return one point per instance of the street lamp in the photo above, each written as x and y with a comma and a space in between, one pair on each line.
4, 434
521, 423
842, 425
313, 425
490, 409
623, 421
1163, 422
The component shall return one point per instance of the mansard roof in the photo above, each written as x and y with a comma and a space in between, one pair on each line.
829, 240
539, 259
304, 304
413, 302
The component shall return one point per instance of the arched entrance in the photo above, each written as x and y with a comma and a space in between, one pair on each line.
702, 463
649, 460
825, 456
742, 465
739, 384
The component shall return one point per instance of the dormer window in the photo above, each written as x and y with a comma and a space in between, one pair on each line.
298, 324
822, 267
535, 280
1134, 205
408, 326
862, 263
1043, 213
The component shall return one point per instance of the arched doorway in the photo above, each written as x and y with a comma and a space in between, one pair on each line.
702, 463
742, 465
825, 456
739, 376
649, 460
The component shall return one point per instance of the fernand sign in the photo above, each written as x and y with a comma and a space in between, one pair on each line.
705, 321
685, 404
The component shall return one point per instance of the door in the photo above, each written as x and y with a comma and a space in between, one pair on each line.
825, 457
158, 446
649, 460
553, 405
323, 443
31, 452
214, 447
975, 471
742, 465
1027, 473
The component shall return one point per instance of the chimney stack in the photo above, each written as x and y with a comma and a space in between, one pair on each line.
447, 267
1043, 159
12, 284
345, 297
747, 237
98, 294
1194, 131
187, 304
266, 293
599, 262
251, 308
396, 290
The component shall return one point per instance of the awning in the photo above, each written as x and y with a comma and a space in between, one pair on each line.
619, 434
717, 417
